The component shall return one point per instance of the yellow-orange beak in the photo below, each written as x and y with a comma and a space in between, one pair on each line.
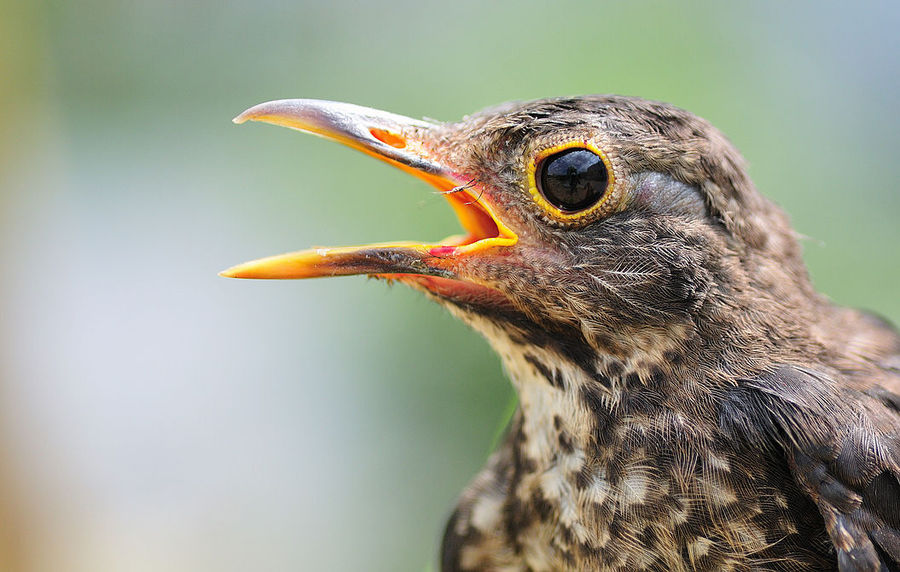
400, 141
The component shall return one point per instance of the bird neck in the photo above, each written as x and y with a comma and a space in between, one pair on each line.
569, 395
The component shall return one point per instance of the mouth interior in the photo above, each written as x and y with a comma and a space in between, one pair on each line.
474, 217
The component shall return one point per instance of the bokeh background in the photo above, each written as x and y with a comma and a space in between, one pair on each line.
154, 416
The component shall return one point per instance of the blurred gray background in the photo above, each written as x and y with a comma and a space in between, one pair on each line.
154, 416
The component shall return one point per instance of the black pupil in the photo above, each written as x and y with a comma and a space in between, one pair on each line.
573, 179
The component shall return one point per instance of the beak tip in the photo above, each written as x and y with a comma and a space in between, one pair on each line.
261, 111
252, 113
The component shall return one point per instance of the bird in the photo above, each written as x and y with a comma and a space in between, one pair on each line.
687, 400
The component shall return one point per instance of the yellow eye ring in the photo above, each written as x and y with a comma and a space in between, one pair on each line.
577, 214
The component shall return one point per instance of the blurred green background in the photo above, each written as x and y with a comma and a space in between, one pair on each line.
157, 417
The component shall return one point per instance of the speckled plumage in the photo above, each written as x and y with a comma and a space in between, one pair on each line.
687, 400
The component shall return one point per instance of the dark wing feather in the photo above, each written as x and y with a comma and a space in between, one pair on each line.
843, 448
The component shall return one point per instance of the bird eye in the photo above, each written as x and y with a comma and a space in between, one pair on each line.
573, 180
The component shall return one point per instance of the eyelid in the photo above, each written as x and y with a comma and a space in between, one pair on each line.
591, 213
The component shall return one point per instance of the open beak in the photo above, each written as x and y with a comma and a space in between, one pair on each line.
402, 142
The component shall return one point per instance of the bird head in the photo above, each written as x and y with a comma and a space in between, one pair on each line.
603, 222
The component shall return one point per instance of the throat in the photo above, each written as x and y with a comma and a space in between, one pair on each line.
604, 462
554, 422
577, 466
552, 438
566, 394
535, 502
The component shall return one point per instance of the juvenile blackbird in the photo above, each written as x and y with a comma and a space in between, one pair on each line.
687, 400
